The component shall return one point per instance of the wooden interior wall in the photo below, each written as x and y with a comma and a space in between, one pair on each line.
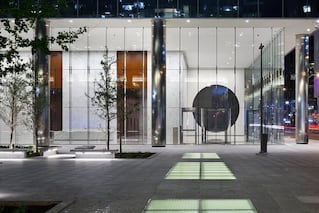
136, 81
56, 91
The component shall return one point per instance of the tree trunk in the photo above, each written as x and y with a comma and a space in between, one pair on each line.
35, 139
108, 133
121, 133
11, 146
120, 142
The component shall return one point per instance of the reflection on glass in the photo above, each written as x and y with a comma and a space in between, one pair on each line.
219, 105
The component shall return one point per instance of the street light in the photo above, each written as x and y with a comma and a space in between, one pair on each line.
263, 137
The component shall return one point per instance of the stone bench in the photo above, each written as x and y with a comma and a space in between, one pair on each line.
13, 154
49, 151
93, 153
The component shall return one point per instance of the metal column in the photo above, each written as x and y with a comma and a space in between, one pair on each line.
158, 83
302, 68
42, 94
316, 66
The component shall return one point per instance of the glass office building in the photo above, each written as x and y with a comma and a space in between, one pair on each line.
212, 67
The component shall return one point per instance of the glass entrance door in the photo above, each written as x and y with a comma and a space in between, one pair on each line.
132, 82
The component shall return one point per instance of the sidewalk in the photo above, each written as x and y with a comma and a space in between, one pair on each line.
284, 180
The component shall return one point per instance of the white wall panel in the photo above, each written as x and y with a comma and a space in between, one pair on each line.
97, 38
115, 39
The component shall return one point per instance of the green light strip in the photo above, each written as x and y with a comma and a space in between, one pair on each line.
194, 205
200, 171
200, 156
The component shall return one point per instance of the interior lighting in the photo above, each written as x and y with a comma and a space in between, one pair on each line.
188, 21
306, 9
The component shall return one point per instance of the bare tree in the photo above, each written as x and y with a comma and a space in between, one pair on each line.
104, 98
110, 98
18, 20
124, 107
14, 91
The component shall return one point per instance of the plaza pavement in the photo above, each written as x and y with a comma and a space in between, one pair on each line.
284, 180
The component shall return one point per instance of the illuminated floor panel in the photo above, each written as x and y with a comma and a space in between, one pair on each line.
200, 156
205, 206
200, 171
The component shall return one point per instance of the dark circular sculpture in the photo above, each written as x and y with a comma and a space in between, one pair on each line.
217, 106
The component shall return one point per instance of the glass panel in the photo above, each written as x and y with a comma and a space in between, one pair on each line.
189, 75
248, 8
244, 58
87, 8
225, 49
71, 9
168, 9
271, 8
107, 8
200, 156
132, 8
228, 8
96, 41
54, 32
133, 39
81, 43
150, 8
272, 66
301, 8
208, 8
200, 171
207, 205
189, 8
207, 49
173, 61
115, 39
173, 205
132, 67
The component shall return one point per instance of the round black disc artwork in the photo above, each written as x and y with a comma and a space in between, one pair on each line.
217, 106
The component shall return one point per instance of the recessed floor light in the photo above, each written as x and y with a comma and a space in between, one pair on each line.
196, 206
200, 156
200, 171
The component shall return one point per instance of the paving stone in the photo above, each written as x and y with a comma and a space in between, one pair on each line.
284, 180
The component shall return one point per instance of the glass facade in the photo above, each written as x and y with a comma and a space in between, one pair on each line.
273, 87
193, 9
225, 59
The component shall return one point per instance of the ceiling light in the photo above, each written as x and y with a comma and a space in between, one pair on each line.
188, 21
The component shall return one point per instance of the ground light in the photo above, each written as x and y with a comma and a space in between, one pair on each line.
200, 156
200, 171
196, 206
